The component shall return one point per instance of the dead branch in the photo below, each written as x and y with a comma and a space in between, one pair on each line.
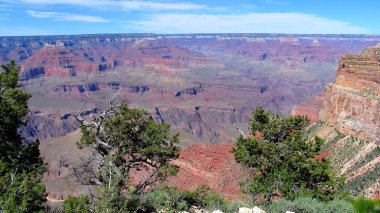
239, 130
79, 118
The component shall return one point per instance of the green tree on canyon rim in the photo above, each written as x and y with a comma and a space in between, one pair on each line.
133, 153
21, 167
284, 160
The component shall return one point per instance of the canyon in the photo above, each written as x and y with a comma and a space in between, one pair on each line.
205, 86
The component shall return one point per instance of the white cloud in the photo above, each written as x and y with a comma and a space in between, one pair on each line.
66, 16
243, 23
121, 4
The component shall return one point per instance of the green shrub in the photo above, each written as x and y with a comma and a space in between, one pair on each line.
310, 205
171, 199
283, 159
363, 205
76, 204
165, 197
206, 198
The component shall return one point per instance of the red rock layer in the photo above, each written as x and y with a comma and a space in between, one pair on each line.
361, 72
210, 165
310, 108
58, 61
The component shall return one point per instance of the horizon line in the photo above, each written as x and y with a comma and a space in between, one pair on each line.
195, 34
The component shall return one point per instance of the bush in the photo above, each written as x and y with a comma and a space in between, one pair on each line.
171, 199
76, 204
363, 205
165, 197
310, 205
284, 160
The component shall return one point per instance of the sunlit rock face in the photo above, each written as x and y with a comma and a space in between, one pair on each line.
352, 103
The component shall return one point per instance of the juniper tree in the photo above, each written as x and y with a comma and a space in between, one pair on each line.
284, 159
126, 140
21, 167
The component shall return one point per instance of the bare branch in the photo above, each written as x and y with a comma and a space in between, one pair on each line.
110, 102
239, 130
85, 170
79, 118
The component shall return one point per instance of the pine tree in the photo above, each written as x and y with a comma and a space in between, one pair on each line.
21, 167
284, 159
126, 140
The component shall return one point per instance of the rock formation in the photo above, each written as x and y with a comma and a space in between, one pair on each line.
227, 75
210, 165
350, 124
352, 103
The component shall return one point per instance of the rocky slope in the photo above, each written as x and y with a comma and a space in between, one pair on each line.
351, 121
211, 165
61, 156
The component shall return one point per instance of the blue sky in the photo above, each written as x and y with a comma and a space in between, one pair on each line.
57, 17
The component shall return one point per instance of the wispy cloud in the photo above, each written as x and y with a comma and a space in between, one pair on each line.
243, 23
121, 4
66, 16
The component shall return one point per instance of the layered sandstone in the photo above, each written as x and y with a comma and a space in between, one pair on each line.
210, 165
351, 127
352, 103
226, 75
56, 61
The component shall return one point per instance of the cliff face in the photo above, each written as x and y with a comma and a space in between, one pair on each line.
352, 104
351, 122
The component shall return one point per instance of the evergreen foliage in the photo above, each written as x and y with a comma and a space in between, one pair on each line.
284, 160
21, 167
127, 139
76, 204
170, 199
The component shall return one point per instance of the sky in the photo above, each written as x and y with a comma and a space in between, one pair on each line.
63, 17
